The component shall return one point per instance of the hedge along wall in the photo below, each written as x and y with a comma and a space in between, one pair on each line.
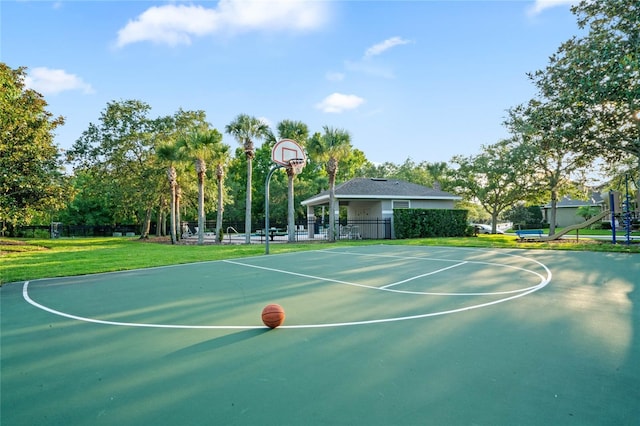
428, 223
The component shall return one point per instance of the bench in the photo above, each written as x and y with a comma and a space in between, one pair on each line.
528, 234
273, 232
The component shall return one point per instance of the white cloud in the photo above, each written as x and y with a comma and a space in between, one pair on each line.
334, 76
540, 5
377, 49
51, 82
370, 67
169, 24
338, 102
176, 24
275, 14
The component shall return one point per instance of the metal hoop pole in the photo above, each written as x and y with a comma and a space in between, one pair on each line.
266, 207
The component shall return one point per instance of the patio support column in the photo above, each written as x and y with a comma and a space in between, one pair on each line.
311, 222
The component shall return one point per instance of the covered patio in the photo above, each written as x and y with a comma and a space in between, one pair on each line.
370, 203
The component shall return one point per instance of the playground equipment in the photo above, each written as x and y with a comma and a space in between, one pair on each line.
626, 211
623, 209
577, 226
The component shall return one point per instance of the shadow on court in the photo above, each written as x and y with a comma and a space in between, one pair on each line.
218, 342
566, 354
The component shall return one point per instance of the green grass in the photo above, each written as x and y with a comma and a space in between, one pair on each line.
22, 260
620, 233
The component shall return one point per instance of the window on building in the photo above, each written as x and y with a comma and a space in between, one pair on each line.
401, 204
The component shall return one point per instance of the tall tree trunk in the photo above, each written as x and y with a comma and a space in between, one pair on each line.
201, 169
220, 175
161, 220
552, 219
494, 221
159, 216
178, 215
172, 175
247, 217
146, 225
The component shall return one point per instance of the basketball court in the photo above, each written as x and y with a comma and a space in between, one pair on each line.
375, 335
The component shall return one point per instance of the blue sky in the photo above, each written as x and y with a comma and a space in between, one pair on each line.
424, 80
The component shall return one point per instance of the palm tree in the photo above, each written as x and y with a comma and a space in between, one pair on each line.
245, 129
330, 148
220, 160
299, 132
170, 153
199, 145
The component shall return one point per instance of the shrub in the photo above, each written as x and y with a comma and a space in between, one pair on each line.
429, 223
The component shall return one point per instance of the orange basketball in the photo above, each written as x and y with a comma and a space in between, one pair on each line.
273, 315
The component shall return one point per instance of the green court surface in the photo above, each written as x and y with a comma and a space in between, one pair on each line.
374, 335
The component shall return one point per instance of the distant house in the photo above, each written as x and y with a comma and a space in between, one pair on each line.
372, 201
567, 209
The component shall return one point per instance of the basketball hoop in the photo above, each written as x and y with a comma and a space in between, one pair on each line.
296, 165
285, 151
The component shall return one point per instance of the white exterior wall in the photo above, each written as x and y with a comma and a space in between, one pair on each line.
567, 216
432, 204
364, 210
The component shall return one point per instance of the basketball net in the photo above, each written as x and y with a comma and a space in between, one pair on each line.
296, 165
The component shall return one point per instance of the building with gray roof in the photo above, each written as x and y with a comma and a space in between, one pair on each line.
374, 199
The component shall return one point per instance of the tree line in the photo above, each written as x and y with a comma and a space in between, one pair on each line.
130, 167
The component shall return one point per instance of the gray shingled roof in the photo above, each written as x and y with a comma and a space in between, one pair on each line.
383, 189
596, 199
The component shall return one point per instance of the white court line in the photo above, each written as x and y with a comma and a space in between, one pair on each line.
390, 256
523, 292
25, 295
422, 293
282, 271
423, 275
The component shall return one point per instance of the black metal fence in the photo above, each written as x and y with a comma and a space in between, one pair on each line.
375, 229
61, 230
370, 229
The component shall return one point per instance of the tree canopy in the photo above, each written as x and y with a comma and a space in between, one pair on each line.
32, 181
497, 178
595, 79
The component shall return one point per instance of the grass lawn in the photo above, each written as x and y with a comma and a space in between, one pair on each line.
29, 259
620, 232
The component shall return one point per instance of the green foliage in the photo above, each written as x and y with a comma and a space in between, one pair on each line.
90, 205
429, 223
519, 215
117, 155
332, 147
591, 83
31, 178
476, 213
245, 129
497, 178
587, 212
525, 217
352, 165
202, 145
535, 214
423, 173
